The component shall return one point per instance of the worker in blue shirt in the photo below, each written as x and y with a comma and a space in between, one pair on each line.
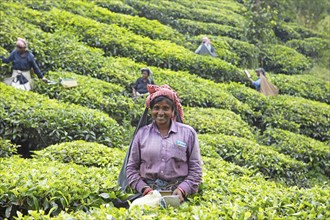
257, 83
261, 84
22, 60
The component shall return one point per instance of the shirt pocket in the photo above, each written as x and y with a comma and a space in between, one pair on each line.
178, 153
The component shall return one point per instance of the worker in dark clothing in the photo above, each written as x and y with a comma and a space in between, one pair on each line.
140, 86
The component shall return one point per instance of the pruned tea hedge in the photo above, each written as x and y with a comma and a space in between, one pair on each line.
38, 121
83, 153
92, 93
300, 147
256, 157
7, 149
30, 184
217, 121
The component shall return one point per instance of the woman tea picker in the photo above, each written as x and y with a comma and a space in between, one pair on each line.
165, 154
23, 60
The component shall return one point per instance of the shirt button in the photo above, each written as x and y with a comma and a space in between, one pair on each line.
161, 172
163, 159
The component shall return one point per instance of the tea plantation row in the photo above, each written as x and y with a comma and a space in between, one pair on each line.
250, 144
222, 194
57, 60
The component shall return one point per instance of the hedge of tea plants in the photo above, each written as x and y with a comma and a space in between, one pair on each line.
289, 31
217, 121
306, 86
312, 152
263, 157
92, 93
39, 121
229, 191
30, 184
141, 26
294, 114
230, 200
258, 158
298, 115
117, 6
83, 153
276, 59
109, 38
170, 11
191, 27
7, 149
313, 47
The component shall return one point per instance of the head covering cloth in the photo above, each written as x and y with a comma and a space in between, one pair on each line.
261, 70
206, 40
21, 43
164, 90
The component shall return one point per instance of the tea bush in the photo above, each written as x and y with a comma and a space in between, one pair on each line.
170, 11
92, 93
142, 49
228, 192
247, 95
247, 53
207, 6
7, 149
253, 156
302, 148
282, 59
306, 86
312, 47
83, 153
290, 31
298, 115
30, 184
117, 6
217, 121
38, 121
295, 114
138, 25
191, 27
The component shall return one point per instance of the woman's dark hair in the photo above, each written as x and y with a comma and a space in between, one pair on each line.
146, 70
161, 98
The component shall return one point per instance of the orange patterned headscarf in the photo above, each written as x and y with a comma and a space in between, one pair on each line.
165, 90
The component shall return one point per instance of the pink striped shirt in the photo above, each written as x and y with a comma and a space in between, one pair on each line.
167, 158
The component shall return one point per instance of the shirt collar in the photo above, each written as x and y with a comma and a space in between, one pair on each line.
173, 128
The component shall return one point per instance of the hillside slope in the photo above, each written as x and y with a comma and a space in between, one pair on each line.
263, 157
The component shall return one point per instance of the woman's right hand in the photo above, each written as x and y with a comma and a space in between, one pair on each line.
147, 190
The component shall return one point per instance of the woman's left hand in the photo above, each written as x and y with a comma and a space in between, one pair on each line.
179, 193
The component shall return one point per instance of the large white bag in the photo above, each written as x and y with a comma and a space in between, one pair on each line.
153, 199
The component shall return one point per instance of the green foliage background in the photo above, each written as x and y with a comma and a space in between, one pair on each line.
263, 157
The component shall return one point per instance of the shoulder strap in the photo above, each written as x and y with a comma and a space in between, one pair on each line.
122, 178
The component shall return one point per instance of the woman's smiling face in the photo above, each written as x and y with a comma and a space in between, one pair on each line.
162, 112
